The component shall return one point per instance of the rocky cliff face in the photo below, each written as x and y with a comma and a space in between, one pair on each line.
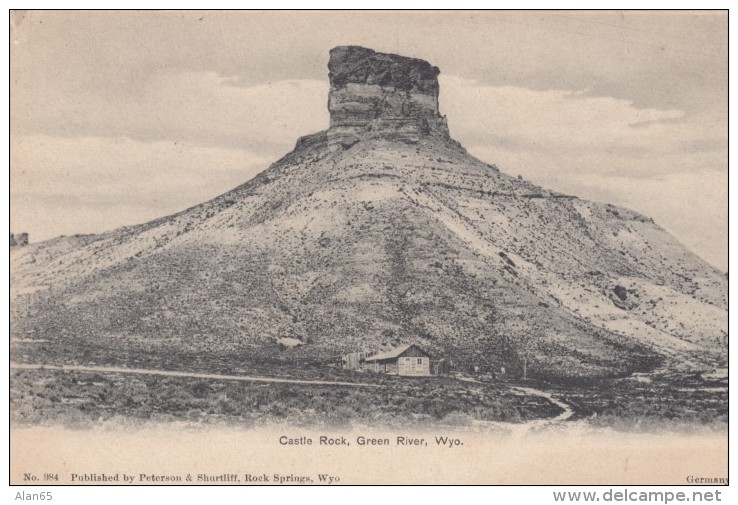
382, 93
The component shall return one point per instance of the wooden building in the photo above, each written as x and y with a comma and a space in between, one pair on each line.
353, 360
441, 367
405, 360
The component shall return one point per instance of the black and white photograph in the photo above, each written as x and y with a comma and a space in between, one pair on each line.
368, 247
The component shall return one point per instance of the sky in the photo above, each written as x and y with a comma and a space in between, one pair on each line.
122, 117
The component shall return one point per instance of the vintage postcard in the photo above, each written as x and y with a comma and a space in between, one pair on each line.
368, 247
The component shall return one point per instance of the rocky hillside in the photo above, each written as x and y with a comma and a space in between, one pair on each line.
383, 230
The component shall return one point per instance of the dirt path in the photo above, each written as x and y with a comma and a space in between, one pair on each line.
517, 427
520, 429
168, 373
567, 410
566, 414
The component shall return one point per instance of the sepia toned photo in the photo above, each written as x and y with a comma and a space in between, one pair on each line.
368, 247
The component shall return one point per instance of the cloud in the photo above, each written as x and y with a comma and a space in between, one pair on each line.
198, 107
91, 161
571, 122
93, 184
657, 162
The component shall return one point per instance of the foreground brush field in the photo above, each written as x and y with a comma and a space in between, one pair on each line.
83, 399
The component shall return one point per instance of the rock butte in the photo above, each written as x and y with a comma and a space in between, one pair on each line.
377, 232
378, 92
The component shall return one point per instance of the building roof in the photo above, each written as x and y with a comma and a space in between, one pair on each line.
392, 353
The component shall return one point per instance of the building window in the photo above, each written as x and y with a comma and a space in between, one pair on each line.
420, 361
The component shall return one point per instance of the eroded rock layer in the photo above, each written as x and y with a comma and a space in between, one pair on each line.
378, 92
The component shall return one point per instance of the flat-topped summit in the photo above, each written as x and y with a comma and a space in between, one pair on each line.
385, 93
359, 65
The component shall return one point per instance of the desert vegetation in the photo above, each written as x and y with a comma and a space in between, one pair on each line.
85, 399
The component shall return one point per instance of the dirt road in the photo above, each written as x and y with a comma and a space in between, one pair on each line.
526, 426
193, 375
566, 414
517, 430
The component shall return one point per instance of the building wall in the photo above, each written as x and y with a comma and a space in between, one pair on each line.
441, 367
413, 362
391, 367
353, 360
412, 365
388, 367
